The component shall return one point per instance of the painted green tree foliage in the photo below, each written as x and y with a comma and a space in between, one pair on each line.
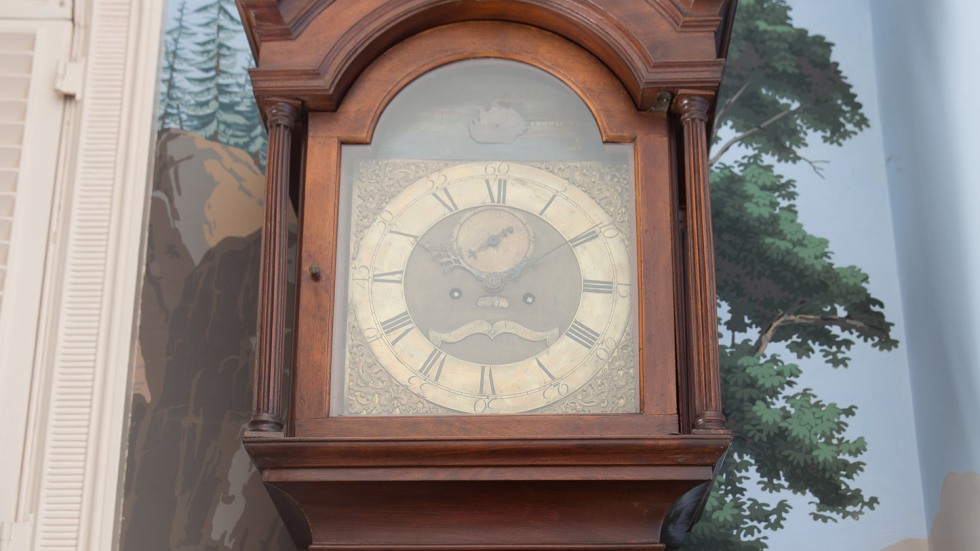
782, 297
204, 86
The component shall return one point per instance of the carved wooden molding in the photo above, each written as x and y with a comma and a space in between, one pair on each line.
635, 39
271, 20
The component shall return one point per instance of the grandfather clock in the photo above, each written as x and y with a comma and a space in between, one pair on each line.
505, 332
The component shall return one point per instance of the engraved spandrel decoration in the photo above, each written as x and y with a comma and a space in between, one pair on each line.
370, 390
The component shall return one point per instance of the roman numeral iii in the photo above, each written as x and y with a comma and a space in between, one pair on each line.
582, 334
596, 286
395, 323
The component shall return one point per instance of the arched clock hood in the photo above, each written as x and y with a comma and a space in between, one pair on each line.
652, 46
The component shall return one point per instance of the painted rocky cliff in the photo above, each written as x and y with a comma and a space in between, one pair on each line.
189, 483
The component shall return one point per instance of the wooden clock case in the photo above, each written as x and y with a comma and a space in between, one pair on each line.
649, 71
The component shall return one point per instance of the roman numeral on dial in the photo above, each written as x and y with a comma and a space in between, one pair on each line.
446, 200
582, 334
544, 369
395, 323
413, 237
548, 204
596, 286
501, 186
583, 237
388, 277
436, 358
486, 381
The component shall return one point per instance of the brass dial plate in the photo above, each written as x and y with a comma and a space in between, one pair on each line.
492, 288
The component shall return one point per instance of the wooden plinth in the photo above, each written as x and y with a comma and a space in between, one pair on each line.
504, 495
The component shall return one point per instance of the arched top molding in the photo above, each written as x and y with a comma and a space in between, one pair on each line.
313, 50
357, 117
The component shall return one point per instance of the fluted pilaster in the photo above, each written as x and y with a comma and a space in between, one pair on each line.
281, 117
700, 268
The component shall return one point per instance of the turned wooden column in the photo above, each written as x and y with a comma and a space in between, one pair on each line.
281, 116
700, 268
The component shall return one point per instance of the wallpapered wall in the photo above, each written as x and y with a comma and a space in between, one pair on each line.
795, 317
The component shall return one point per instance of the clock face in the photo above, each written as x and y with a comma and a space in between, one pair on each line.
491, 287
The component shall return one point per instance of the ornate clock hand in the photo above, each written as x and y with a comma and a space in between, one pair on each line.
516, 271
449, 260
492, 241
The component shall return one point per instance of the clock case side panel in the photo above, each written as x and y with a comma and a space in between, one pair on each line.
354, 123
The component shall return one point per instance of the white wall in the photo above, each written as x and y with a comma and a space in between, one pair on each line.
928, 74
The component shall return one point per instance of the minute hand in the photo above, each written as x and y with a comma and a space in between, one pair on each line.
583, 237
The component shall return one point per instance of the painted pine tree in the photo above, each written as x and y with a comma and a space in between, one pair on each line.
783, 298
221, 106
174, 72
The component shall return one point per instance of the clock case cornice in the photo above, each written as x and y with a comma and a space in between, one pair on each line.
653, 46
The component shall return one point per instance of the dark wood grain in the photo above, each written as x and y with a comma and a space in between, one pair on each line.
493, 494
687, 451
492, 426
702, 313
618, 121
281, 115
319, 51
655, 268
315, 297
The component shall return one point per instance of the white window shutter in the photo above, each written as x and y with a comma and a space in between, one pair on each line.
35, 9
31, 114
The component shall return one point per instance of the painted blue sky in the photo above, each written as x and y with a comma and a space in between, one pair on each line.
850, 207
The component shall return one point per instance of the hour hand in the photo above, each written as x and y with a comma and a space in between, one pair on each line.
449, 260
493, 241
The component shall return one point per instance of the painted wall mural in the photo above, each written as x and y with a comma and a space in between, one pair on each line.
786, 305
783, 297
